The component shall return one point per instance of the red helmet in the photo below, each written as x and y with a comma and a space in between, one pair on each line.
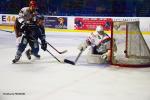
33, 4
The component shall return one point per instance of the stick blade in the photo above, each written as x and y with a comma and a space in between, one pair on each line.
63, 52
69, 62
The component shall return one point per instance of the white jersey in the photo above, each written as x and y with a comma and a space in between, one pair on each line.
102, 42
26, 15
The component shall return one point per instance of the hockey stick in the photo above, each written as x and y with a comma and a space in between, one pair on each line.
51, 54
60, 52
46, 49
73, 62
7, 31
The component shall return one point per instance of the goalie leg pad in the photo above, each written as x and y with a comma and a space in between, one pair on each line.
96, 59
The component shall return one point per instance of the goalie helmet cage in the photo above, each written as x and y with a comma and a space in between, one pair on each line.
132, 49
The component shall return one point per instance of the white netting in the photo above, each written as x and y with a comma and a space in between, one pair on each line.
137, 46
132, 49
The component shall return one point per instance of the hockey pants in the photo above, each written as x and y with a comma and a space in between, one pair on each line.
33, 44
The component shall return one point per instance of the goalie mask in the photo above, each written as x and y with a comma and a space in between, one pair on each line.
99, 29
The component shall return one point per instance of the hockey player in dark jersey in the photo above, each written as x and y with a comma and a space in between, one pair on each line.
40, 32
30, 34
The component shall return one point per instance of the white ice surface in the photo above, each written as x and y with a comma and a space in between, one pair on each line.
47, 79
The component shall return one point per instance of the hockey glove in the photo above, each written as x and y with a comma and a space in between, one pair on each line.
44, 45
18, 40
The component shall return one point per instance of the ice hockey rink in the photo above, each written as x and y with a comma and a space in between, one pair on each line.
47, 79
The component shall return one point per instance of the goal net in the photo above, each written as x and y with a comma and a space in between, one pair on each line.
132, 49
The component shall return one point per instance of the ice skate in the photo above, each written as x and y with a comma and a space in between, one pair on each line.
28, 54
16, 59
37, 56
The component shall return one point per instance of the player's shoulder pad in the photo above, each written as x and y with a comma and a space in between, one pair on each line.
25, 8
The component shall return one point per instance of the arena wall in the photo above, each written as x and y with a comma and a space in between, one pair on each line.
71, 23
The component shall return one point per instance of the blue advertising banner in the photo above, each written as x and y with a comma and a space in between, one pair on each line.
56, 22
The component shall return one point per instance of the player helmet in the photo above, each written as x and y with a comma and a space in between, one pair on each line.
99, 28
33, 4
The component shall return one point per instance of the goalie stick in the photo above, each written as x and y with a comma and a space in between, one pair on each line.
60, 52
73, 62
